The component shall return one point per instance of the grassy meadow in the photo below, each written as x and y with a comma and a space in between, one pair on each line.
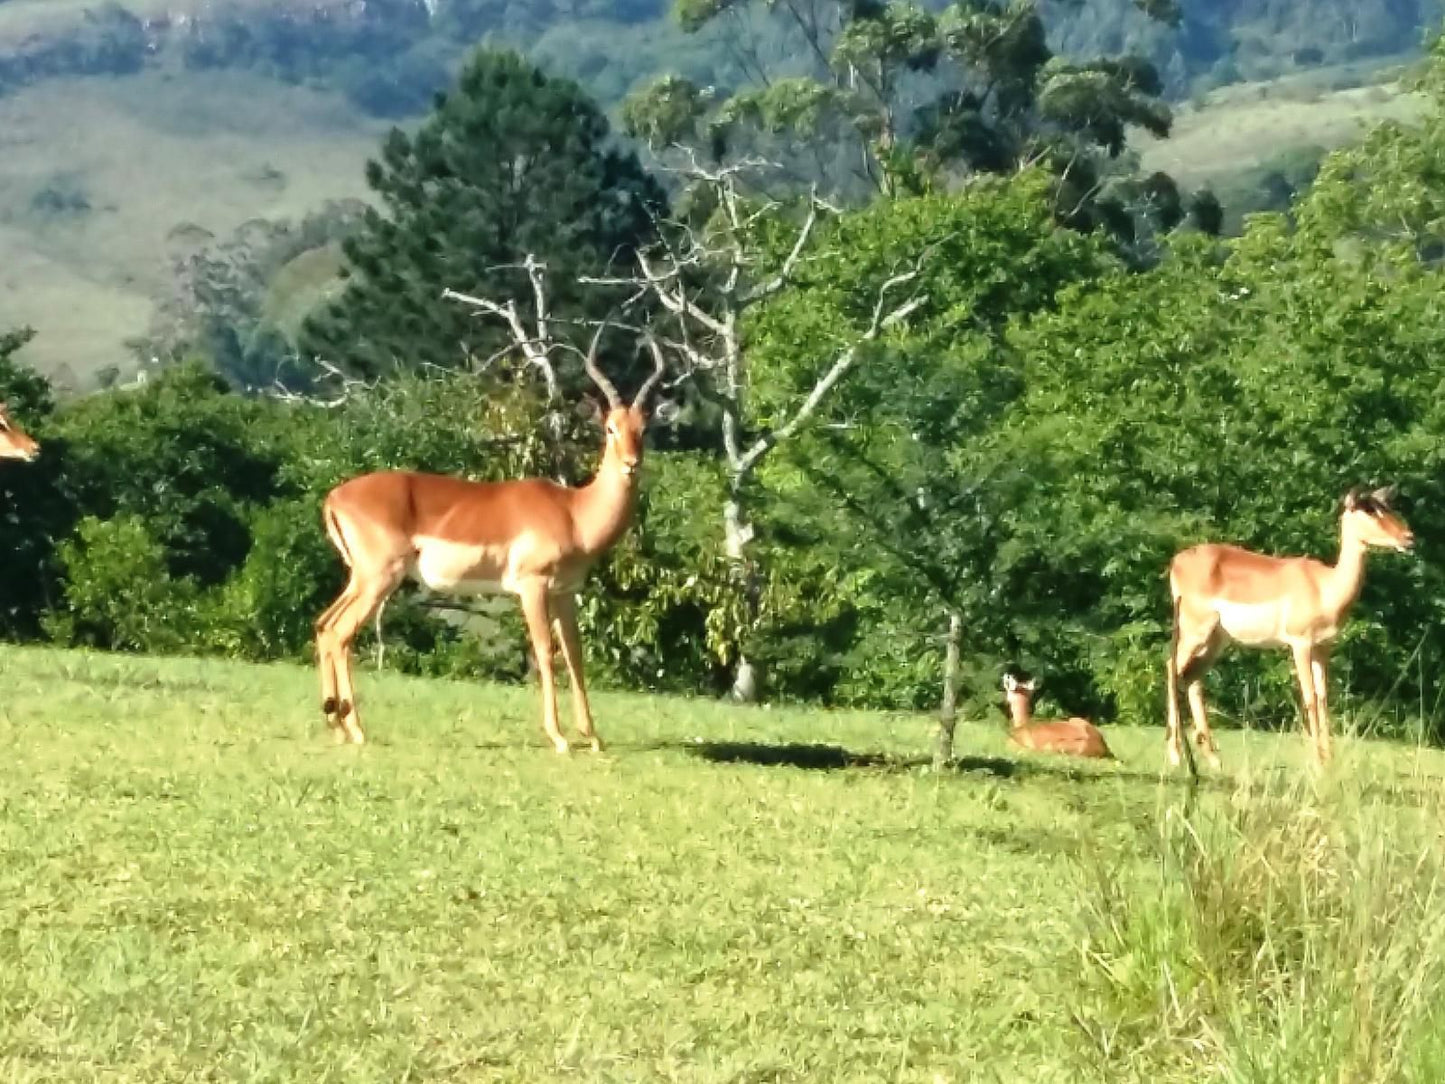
1241, 127
197, 885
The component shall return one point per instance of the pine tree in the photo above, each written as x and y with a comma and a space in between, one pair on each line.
511, 162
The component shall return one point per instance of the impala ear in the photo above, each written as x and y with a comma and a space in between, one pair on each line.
1352, 498
1030, 685
1384, 495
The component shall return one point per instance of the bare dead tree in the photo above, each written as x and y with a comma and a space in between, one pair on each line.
535, 345
706, 279
948, 708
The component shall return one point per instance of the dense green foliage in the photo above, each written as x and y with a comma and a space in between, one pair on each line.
511, 163
894, 98
1025, 449
878, 500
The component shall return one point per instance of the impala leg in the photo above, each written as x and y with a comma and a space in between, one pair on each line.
539, 628
1203, 659
1172, 737
1203, 736
1194, 654
1305, 674
564, 611
326, 661
368, 594
1320, 671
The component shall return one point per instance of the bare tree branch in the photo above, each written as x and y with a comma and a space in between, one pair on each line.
845, 361
778, 281
536, 348
350, 387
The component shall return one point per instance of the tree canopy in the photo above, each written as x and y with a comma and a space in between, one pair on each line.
511, 163
893, 96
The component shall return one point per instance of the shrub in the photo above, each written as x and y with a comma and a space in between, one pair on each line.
119, 593
1282, 936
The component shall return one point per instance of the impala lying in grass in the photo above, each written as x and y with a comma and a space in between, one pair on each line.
1073, 737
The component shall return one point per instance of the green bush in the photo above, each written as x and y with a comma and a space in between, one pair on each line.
119, 593
268, 607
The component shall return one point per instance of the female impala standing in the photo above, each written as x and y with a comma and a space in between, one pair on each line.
1224, 594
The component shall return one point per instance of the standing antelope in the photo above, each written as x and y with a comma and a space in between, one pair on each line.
1224, 594
530, 537
1074, 737
15, 443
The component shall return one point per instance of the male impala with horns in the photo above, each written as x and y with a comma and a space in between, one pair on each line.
530, 537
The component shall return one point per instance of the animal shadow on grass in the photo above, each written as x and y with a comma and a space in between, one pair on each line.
829, 758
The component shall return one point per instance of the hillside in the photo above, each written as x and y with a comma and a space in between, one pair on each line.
131, 134
93, 210
1235, 132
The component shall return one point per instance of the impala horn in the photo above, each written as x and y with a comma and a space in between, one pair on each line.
598, 377
651, 381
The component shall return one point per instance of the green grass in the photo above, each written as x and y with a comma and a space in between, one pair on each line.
196, 885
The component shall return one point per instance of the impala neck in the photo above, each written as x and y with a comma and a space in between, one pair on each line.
1018, 710
605, 503
1348, 574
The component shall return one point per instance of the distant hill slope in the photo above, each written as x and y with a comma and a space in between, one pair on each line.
131, 130
390, 54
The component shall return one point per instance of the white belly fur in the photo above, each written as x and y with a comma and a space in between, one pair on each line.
456, 568
1258, 624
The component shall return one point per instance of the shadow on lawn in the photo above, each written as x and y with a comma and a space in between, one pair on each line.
828, 758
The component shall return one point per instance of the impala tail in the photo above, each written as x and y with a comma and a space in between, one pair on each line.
333, 531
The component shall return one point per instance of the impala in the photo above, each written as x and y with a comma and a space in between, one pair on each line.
1224, 594
15, 443
1074, 737
529, 537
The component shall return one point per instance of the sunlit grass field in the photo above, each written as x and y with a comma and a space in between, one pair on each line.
197, 885
1245, 126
